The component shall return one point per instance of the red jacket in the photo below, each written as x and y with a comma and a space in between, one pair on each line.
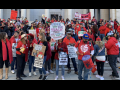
60, 45
112, 47
12, 40
118, 30
108, 30
49, 54
91, 36
102, 29
37, 31
115, 25
26, 46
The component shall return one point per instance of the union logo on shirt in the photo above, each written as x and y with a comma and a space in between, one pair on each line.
84, 48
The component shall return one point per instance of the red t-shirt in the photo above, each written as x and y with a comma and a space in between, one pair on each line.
83, 49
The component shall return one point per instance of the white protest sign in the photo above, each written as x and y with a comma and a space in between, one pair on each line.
57, 30
14, 45
63, 60
32, 31
38, 62
71, 52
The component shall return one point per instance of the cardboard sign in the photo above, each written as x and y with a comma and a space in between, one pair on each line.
71, 52
38, 49
57, 30
81, 33
13, 14
14, 45
63, 60
38, 62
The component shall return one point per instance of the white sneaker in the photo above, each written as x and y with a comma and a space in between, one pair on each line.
30, 74
101, 78
13, 72
47, 72
51, 72
56, 78
35, 74
106, 62
97, 76
63, 78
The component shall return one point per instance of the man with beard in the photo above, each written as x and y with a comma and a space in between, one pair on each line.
84, 48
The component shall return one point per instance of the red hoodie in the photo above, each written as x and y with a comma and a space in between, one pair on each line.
112, 46
118, 30
108, 30
91, 36
102, 29
62, 45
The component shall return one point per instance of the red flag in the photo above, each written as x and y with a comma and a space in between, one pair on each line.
13, 14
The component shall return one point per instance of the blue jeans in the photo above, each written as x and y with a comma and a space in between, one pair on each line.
14, 63
48, 65
31, 61
43, 69
74, 64
57, 68
80, 68
102, 36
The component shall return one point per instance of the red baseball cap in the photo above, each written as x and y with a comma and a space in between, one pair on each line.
98, 39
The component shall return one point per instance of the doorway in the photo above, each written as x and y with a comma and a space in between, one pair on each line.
54, 16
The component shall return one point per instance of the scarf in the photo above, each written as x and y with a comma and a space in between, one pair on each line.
4, 51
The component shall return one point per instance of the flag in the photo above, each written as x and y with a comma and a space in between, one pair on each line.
13, 14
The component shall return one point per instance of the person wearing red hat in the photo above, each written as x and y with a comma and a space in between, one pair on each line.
99, 53
102, 30
32, 41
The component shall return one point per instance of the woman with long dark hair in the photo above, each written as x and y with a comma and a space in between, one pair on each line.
5, 54
97, 33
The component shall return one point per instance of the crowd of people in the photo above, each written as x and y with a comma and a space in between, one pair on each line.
101, 41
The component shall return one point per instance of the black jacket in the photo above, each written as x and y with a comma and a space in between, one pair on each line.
43, 21
5, 29
25, 29
11, 31
45, 44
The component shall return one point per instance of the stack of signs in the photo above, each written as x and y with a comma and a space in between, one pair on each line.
57, 30
81, 33
71, 51
63, 60
14, 45
38, 52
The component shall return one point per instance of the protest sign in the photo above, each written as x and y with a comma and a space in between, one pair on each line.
13, 14
63, 60
83, 16
71, 51
52, 43
37, 49
81, 33
38, 62
14, 45
32, 31
57, 30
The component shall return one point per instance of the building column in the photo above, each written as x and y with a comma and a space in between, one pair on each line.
23, 13
84, 11
28, 14
70, 14
117, 15
92, 13
47, 12
1, 13
112, 14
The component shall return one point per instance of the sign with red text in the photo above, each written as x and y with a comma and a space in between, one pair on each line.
83, 16
57, 30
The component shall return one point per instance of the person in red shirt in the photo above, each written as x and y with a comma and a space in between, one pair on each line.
22, 55
102, 30
14, 41
112, 51
115, 24
39, 27
108, 29
59, 47
91, 35
84, 48
70, 41
118, 29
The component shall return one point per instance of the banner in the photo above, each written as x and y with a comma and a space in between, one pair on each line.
14, 45
57, 30
83, 16
13, 14
63, 59
81, 33
71, 51
38, 62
